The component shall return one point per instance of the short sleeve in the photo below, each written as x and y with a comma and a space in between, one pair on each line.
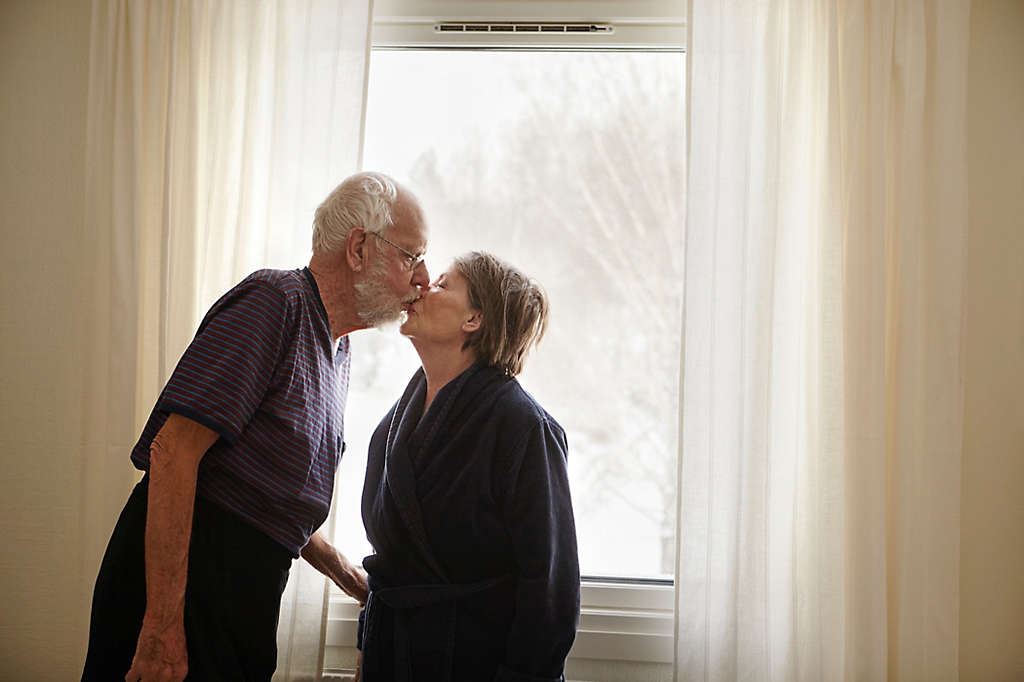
226, 371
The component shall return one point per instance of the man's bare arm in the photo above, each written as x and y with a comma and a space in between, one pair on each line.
174, 458
324, 557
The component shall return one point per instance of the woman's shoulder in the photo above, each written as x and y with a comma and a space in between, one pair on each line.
512, 403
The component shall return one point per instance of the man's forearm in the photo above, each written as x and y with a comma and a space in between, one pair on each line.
172, 491
324, 557
174, 458
161, 652
315, 552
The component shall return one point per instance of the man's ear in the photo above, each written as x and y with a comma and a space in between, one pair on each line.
473, 323
355, 249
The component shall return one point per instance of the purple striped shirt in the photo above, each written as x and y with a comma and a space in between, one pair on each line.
262, 373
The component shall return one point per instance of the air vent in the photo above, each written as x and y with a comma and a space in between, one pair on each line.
521, 27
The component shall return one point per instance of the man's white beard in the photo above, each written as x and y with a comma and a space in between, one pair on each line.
376, 305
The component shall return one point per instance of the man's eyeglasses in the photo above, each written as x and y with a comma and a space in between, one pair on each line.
412, 261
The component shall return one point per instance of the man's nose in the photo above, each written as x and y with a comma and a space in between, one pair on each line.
420, 276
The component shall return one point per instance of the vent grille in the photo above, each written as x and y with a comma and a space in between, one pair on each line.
521, 27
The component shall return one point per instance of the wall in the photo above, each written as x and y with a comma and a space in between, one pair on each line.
44, 580
992, 507
44, 65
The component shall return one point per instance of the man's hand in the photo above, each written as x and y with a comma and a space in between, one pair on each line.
323, 556
352, 581
160, 656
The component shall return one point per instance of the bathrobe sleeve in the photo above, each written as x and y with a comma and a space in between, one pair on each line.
539, 518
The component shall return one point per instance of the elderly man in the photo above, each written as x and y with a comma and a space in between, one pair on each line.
241, 449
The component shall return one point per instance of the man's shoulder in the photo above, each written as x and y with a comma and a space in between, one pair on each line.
286, 281
272, 295
291, 286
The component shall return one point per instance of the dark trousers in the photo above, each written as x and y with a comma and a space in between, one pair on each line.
236, 575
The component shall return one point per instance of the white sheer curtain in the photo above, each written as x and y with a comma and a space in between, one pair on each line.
821, 422
215, 128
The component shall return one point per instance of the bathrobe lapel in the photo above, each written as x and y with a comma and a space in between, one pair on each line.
399, 470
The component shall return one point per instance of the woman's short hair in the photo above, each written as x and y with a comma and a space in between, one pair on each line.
362, 200
513, 308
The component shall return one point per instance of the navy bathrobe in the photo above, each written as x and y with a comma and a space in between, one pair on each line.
474, 575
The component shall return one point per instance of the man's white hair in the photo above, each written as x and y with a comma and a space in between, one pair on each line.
362, 200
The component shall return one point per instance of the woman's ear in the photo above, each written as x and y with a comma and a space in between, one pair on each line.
473, 323
355, 249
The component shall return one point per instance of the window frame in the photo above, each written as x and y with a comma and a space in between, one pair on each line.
622, 620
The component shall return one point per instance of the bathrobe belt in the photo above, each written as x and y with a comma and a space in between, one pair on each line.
424, 627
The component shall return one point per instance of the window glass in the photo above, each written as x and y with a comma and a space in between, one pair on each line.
570, 166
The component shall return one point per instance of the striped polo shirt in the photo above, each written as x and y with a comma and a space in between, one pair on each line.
262, 373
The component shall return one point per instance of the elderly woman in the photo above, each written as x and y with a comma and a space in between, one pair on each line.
474, 575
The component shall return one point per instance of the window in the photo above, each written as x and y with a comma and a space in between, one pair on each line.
568, 163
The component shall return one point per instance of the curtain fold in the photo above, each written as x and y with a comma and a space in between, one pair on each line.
822, 382
214, 130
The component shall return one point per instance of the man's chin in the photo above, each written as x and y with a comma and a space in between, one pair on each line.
392, 324
387, 320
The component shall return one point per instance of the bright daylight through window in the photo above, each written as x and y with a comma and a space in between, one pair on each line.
570, 166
